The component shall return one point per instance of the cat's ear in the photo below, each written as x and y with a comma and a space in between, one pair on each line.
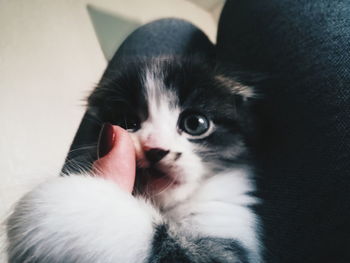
244, 89
244, 83
243, 92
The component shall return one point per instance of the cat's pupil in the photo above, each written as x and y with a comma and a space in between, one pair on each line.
195, 124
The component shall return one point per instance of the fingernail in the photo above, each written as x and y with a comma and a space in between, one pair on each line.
106, 140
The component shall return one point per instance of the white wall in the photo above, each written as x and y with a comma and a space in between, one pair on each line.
50, 59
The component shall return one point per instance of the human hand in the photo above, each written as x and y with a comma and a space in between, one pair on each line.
117, 161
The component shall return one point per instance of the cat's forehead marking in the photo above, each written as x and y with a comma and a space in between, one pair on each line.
162, 105
159, 97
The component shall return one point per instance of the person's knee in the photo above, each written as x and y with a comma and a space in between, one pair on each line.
169, 36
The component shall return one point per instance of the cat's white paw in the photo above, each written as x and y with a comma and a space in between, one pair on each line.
81, 219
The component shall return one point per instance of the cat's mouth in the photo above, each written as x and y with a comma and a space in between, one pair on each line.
154, 176
154, 180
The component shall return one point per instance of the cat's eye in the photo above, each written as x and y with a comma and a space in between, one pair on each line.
130, 124
127, 122
195, 125
122, 115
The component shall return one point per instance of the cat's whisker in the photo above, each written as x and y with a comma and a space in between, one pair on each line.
169, 185
97, 171
84, 147
78, 166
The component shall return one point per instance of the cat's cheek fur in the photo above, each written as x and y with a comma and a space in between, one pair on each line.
81, 219
188, 171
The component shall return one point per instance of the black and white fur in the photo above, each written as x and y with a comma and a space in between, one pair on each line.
206, 216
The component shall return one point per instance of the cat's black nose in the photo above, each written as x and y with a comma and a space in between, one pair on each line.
156, 154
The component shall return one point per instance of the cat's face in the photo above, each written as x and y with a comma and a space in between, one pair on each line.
187, 121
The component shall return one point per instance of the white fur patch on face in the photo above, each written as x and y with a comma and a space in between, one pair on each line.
160, 131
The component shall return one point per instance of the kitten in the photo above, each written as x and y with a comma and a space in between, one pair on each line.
194, 196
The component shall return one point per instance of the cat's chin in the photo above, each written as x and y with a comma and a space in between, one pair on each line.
159, 185
171, 196
153, 182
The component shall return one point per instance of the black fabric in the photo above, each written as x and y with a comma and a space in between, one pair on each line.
304, 175
159, 38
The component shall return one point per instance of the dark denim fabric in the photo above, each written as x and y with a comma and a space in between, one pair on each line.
304, 175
